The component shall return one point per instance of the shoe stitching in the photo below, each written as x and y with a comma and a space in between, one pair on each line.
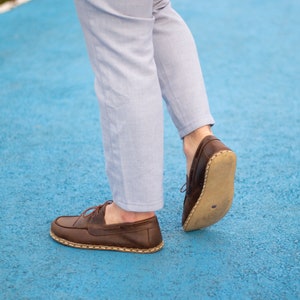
102, 247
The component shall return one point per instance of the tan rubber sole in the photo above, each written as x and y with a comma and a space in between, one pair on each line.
100, 247
217, 193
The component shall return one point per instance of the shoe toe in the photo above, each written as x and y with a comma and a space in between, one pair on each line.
67, 222
62, 226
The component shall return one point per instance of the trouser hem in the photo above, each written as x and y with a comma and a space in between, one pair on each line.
192, 126
139, 207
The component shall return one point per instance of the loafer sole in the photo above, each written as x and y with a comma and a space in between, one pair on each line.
216, 197
104, 247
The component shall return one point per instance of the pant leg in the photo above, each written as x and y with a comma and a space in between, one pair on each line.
179, 70
118, 35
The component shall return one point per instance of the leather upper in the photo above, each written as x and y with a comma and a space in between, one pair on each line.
91, 229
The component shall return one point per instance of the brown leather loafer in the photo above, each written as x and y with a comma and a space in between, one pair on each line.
89, 231
210, 185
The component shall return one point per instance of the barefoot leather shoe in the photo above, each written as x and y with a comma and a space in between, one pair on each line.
210, 185
89, 231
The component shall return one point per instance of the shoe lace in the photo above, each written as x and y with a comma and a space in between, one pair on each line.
183, 188
91, 211
94, 210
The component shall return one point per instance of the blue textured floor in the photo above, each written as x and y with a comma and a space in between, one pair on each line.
52, 161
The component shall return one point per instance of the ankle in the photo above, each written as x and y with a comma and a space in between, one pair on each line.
192, 141
115, 214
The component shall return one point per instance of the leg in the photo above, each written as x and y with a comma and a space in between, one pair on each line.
210, 164
119, 41
181, 78
179, 71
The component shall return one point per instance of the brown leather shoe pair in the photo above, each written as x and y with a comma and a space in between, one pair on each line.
208, 197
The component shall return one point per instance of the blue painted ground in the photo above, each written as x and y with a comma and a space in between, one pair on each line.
52, 160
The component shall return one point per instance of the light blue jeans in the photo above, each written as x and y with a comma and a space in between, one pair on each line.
141, 51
